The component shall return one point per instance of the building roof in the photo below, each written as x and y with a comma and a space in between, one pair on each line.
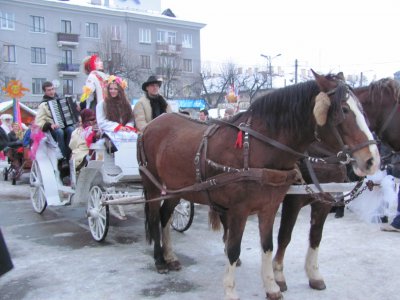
82, 5
7, 104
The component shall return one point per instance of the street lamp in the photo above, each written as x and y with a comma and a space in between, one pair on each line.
269, 60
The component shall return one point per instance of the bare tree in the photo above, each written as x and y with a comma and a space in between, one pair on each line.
6, 73
218, 85
355, 80
120, 61
253, 83
170, 69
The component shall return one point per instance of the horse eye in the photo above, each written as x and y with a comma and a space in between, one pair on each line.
345, 109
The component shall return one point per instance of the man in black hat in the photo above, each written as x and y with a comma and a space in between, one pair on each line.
150, 105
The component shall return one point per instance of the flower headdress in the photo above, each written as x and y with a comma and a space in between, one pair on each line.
118, 80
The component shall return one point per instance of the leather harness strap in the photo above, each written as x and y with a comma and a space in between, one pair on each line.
201, 154
268, 177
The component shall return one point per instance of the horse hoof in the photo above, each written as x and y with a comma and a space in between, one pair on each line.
274, 296
282, 286
317, 284
238, 263
174, 265
162, 268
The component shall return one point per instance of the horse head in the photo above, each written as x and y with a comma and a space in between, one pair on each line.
337, 110
380, 101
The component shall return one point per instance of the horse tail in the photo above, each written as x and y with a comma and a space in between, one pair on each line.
214, 220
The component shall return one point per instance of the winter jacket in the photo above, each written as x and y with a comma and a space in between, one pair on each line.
43, 117
143, 112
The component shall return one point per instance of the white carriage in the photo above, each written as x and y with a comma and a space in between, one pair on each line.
108, 181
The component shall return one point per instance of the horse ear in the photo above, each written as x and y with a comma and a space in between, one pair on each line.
340, 76
323, 83
321, 108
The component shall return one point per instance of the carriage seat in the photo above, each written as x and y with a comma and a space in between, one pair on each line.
121, 164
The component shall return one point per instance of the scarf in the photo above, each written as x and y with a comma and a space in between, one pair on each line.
158, 105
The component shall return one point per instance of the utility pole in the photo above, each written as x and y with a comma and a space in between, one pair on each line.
361, 79
296, 66
269, 66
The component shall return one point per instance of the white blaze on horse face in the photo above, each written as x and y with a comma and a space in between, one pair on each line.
362, 124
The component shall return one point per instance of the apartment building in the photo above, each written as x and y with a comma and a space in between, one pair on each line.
48, 39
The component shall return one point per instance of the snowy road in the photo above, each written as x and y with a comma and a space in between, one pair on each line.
56, 258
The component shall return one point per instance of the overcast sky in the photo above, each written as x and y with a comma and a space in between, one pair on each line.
328, 36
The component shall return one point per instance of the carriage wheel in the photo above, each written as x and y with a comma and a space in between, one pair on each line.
182, 217
38, 196
98, 214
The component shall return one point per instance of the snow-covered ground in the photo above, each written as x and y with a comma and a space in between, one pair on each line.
55, 257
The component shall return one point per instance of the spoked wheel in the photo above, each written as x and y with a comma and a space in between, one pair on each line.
38, 196
182, 217
98, 214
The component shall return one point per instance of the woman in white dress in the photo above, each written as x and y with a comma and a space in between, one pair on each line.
114, 115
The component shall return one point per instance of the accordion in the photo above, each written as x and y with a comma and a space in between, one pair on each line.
63, 111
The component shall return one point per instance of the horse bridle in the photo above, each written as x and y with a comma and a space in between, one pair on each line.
344, 156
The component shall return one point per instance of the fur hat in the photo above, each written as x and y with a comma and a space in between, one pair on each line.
6, 117
150, 80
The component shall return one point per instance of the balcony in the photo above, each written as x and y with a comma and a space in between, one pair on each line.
68, 69
168, 49
67, 39
167, 72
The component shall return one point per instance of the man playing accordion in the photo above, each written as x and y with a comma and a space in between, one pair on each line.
45, 121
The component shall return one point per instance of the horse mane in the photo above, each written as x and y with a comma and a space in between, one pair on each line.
378, 88
285, 108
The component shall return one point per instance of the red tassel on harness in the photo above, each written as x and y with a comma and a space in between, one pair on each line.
239, 140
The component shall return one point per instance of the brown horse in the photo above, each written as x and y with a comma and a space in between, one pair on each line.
180, 157
380, 101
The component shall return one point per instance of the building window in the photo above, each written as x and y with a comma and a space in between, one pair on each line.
37, 85
168, 63
7, 20
38, 55
66, 26
68, 86
187, 65
166, 37
145, 61
90, 53
116, 32
92, 30
144, 36
37, 24
187, 40
9, 53
7, 79
67, 57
